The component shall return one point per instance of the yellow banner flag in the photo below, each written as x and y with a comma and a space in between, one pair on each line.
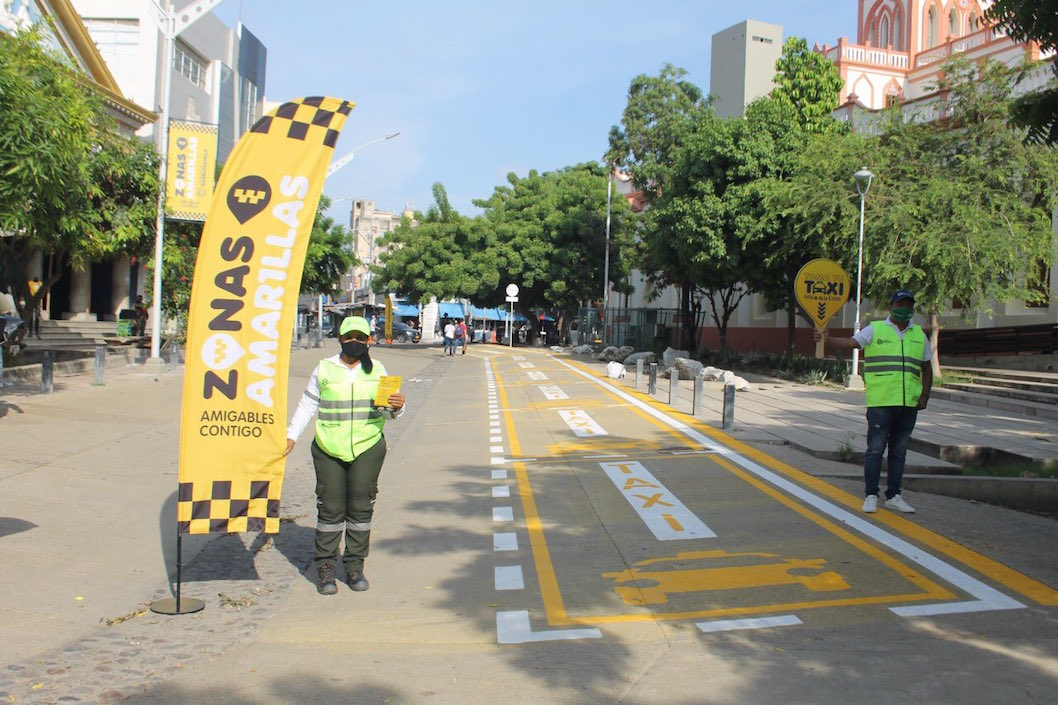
240, 323
190, 165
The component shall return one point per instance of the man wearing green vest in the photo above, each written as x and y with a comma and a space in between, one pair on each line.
347, 452
898, 378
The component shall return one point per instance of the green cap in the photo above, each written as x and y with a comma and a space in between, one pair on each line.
352, 323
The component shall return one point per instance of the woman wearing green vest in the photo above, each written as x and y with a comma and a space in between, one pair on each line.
347, 452
898, 378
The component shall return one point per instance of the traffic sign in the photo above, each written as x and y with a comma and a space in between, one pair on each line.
512, 290
822, 288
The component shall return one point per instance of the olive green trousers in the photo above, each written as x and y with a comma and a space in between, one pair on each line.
345, 502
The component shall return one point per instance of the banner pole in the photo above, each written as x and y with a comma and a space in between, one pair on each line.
169, 605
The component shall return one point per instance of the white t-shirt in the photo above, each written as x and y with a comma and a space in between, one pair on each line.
450, 331
866, 335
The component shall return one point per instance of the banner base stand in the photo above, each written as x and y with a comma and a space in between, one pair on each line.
170, 605
175, 605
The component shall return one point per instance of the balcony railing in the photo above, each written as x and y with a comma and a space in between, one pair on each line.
868, 55
958, 45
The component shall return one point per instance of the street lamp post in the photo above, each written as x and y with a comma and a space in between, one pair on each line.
172, 22
606, 265
863, 185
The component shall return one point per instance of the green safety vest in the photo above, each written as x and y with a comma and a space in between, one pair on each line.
892, 366
347, 423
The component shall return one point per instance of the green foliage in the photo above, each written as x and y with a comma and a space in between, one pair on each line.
329, 254
963, 207
660, 112
1032, 20
808, 82
71, 186
546, 232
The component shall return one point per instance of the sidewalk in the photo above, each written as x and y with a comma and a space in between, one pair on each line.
829, 424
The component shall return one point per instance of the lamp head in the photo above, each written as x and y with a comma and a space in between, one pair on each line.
863, 181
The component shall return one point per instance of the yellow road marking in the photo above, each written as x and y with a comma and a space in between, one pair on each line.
676, 526
1018, 582
551, 593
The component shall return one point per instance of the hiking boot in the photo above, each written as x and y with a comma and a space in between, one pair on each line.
870, 504
325, 583
897, 502
357, 582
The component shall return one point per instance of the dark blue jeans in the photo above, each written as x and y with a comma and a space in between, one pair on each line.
887, 426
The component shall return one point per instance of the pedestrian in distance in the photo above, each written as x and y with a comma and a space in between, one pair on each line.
34, 315
347, 452
141, 315
898, 378
450, 337
461, 336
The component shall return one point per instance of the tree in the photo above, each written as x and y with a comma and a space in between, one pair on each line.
329, 254
551, 237
71, 185
1035, 21
426, 256
963, 212
782, 126
808, 82
660, 115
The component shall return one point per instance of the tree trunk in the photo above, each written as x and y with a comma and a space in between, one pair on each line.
687, 328
934, 337
791, 327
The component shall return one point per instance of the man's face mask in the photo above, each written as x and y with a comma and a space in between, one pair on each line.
901, 314
354, 349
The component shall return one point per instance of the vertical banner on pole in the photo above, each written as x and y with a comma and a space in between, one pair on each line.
190, 165
242, 314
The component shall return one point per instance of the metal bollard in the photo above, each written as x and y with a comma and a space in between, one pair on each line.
47, 383
639, 372
174, 355
729, 407
652, 382
674, 386
101, 363
698, 400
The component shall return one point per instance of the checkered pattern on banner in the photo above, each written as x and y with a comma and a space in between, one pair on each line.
246, 505
306, 119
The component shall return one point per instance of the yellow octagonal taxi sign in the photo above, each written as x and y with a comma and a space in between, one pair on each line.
822, 288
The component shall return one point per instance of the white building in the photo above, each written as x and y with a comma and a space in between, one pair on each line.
367, 225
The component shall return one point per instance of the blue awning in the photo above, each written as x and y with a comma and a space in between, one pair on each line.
450, 309
487, 314
405, 310
518, 316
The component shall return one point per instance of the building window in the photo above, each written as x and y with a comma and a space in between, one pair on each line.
953, 24
189, 66
763, 40
115, 37
898, 38
975, 21
883, 35
247, 105
931, 28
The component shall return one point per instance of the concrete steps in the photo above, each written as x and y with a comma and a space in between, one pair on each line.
77, 335
1017, 391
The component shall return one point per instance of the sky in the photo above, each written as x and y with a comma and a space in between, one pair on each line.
481, 88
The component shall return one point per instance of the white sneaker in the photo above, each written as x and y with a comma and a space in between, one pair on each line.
870, 504
897, 502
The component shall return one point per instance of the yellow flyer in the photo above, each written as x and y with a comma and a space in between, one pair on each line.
387, 385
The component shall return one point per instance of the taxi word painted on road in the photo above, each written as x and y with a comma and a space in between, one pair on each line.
666, 517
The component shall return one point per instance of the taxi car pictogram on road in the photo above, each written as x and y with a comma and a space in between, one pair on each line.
637, 586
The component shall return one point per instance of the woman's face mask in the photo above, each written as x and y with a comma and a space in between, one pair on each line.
901, 315
354, 349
